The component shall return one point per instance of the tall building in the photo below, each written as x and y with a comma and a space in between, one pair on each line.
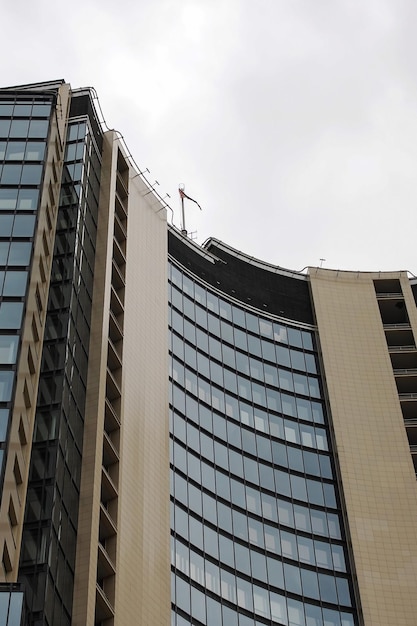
276, 428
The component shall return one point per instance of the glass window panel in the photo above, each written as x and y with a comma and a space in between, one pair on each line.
6, 108
238, 493
310, 584
182, 595
261, 602
241, 339
288, 545
338, 558
28, 199
298, 488
295, 613
331, 618
297, 360
3, 145
301, 384
313, 615
256, 534
319, 522
242, 558
292, 578
198, 605
6, 223
4, 423
6, 386
4, 252
347, 619
8, 349
23, 225
41, 110
211, 542
306, 550
223, 485
315, 492
19, 253
295, 459
265, 327
228, 586
310, 363
253, 501
8, 199
311, 463
327, 588
15, 609
21, 109
314, 388
317, 411
343, 592
325, 466
196, 533
323, 554
282, 482
329, 496
285, 513
19, 128
15, 151
224, 516
196, 567
278, 609
275, 572
302, 518
321, 439
212, 577
258, 562
38, 128
11, 174
288, 405
240, 525
269, 508
273, 400
266, 477
334, 526
4, 128
294, 337
11, 315
4, 606
272, 539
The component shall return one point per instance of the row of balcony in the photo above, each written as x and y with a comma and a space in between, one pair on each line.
107, 545
403, 353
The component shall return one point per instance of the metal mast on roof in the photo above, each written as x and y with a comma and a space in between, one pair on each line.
181, 191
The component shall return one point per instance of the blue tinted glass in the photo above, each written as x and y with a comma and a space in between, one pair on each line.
6, 384
11, 315
15, 283
21, 110
41, 110
4, 128
28, 199
6, 108
19, 253
4, 251
8, 349
35, 151
31, 174
4, 423
19, 128
15, 609
23, 225
6, 222
11, 174
38, 128
15, 151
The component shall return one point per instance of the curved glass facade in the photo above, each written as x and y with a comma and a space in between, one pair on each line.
257, 532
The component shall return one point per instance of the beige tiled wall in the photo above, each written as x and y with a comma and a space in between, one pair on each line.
376, 468
143, 578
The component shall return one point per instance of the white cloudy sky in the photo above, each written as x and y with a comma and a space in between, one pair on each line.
292, 122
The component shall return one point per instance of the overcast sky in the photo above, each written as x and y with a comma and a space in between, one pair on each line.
292, 122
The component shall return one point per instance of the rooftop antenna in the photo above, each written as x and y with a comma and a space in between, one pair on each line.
181, 191
321, 262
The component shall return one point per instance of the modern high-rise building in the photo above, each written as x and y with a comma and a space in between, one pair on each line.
267, 442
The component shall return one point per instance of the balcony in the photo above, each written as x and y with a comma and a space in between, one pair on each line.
104, 608
111, 418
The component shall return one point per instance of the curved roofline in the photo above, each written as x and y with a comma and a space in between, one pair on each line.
276, 269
